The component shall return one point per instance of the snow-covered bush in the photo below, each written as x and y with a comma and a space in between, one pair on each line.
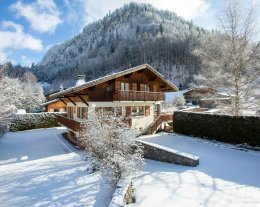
30, 121
113, 144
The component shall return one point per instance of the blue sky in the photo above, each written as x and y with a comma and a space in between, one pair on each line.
29, 28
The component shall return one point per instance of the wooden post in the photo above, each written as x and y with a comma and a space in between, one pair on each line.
158, 110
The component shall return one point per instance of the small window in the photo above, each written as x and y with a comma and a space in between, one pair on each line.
137, 111
82, 112
146, 87
69, 111
109, 88
125, 86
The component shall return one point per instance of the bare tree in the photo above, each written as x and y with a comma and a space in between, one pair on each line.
11, 97
113, 144
33, 92
231, 59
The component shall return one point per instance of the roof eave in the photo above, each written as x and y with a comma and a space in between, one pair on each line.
110, 77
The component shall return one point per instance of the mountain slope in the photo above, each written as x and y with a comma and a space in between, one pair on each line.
130, 36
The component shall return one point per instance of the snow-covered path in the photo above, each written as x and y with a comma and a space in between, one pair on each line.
37, 168
224, 177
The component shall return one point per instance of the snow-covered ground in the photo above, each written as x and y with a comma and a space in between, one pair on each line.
39, 168
224, 177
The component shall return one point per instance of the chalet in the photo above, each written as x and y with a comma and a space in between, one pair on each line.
135, 93
206, 97
54, 105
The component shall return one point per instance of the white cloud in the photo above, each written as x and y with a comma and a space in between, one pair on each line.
43, 15
91, 10
12, 36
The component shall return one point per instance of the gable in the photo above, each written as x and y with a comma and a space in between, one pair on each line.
136, 74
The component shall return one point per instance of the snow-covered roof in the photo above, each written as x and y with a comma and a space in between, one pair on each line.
113, 76
49, 102
200, 89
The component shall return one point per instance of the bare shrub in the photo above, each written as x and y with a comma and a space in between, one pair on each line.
113, 144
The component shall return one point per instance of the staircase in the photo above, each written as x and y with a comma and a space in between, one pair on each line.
158, 122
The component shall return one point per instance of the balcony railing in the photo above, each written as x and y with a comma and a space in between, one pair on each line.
138, 96
72, 124
78, 126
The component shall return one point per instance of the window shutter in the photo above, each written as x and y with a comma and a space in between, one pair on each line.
141, 87
134, 86
85, 113
117, 85
154, 88
128, 111
78, 112
147, 110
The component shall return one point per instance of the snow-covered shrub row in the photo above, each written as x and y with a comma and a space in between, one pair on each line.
113, 145
225, 128
33, 121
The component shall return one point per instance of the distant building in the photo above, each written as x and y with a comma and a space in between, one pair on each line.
54, 105
206, 97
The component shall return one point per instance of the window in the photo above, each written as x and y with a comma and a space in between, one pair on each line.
104, 111
109, 88
118, 111
70, 112
137, 111
108, 111
125, 86
146, 87
82, 112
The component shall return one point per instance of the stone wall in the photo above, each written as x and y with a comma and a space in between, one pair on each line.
123, 194
165, 154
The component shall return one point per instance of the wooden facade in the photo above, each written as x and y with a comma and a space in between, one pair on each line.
131, 93
57, 106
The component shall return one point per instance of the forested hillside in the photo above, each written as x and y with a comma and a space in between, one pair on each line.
132, 35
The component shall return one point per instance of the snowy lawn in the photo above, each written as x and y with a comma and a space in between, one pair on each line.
39, 168
224, 177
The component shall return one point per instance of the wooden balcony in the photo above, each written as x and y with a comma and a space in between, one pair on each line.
77, 126
72, 124
138, 96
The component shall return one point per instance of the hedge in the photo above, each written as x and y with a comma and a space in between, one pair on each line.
230, 129
29, 121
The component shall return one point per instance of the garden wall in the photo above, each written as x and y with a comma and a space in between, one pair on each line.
165, 154
29, 121
230, 129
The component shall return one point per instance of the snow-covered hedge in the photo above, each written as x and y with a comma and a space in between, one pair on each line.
33, 121
230, 129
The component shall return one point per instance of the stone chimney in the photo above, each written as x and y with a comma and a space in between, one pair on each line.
80, 80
